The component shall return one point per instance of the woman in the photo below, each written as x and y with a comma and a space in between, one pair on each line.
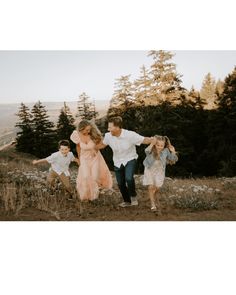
93, 172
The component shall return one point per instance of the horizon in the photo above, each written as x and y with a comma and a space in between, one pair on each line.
64, 75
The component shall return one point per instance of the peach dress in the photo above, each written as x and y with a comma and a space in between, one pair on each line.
93, 172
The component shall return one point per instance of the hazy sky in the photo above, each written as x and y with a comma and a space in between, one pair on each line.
62, 75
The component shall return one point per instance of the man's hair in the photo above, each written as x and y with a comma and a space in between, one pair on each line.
64, 142
117, 121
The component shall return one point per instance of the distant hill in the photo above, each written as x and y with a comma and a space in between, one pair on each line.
8, 118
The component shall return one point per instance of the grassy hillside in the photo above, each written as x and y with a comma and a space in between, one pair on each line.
25, 196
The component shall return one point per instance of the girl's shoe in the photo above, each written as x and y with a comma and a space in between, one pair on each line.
154, 208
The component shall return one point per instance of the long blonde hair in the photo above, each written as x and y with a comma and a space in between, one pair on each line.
167, 143
95, 133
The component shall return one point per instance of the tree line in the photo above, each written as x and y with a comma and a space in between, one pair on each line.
201, 124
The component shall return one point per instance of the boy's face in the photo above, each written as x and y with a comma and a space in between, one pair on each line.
64, 150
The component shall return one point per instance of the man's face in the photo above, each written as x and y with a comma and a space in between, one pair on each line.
64, 150
115, 130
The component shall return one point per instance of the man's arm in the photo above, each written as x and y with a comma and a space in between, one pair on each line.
100, 146
147, 140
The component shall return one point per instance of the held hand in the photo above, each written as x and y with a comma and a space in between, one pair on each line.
77, 161
34, 162
153, 140
94, 153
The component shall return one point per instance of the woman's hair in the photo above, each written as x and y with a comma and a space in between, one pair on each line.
95, 134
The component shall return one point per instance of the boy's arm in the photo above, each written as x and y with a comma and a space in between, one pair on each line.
39, 161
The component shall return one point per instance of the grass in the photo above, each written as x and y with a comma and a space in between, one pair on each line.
23, 185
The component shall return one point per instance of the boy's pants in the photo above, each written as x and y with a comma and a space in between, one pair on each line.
63, 178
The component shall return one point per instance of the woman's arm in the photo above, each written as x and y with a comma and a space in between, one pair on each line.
78, 149
77, 161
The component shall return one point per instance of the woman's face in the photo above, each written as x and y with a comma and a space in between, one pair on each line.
159, 145
86, 130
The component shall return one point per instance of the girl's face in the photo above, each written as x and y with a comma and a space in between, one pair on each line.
159, 145
86, 130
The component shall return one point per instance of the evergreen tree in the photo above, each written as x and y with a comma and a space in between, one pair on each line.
165, 82
208, 92
227, 114
24, 137
142, 88
86, 109
65, 124
44, 138
219, 87
122, 98
195, 98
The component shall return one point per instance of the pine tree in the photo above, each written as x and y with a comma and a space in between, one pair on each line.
227, 110
166, 83
219, 87
142, 88
195, 98
208, 92
24, 137
65, 124
123, 96
44, 136
86, 109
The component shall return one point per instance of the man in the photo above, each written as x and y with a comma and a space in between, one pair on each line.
122, 143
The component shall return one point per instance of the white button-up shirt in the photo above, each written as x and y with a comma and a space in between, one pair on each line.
60, 163
123, 146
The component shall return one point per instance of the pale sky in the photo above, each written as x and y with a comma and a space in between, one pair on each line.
27, 76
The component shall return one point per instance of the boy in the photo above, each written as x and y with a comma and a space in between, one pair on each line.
60, 162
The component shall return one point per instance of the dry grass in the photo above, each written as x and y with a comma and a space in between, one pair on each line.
22, 186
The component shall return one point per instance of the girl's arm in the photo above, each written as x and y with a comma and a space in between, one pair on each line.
39, 161
171, 154
149, 148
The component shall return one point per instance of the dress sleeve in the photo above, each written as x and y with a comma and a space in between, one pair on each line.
51, 158
75, 137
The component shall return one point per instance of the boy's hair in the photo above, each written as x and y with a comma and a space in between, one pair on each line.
117, 121
64, 142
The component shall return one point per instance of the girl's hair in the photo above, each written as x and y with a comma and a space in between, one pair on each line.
154, 151
95, 133
167, 143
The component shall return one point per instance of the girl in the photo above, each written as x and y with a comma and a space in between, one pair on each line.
93, 172
159, 153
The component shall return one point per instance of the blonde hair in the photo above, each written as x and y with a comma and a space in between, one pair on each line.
95, 133
167, 144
